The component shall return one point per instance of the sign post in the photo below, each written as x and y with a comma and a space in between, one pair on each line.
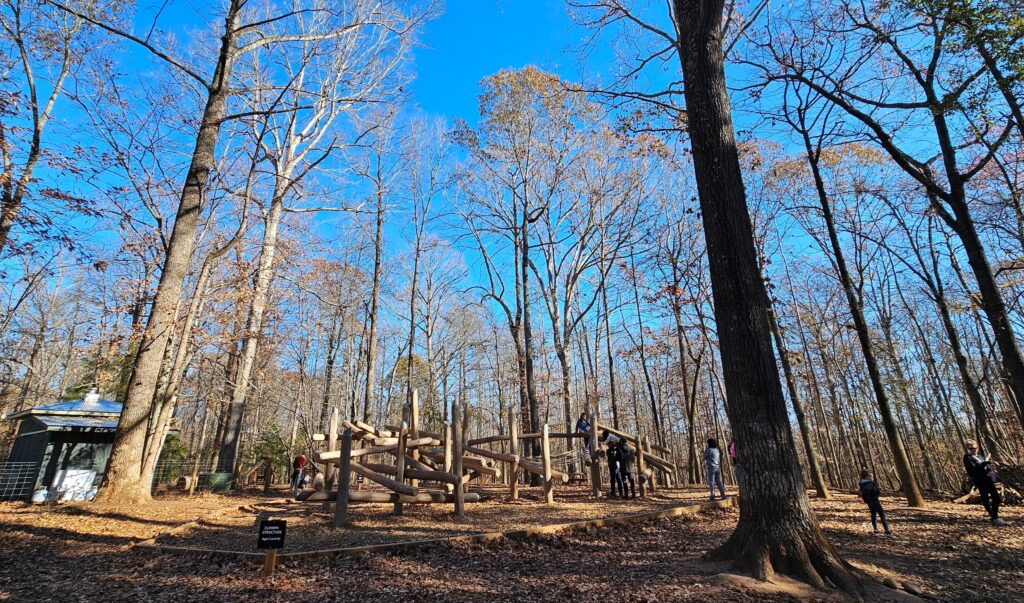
271, 538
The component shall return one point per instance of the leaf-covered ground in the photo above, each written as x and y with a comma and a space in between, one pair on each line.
85, 554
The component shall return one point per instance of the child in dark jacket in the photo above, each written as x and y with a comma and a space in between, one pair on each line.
870, 492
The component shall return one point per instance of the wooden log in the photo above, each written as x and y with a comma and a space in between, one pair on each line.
513, 488
357, 432
400, 466
195, 477
641, 467
537, 469
447, 462
344, 478
562, 436
422, 497
459, 495
425, 474
414, 424
330, 473
545, 453
480, 466
498, 456
488, 440
385, 481
595, 464
657, 462
647, 447
423, 433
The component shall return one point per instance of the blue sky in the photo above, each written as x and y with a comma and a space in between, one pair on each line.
476, 38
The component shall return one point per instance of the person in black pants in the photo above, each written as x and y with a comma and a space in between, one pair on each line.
869, 491
627, 456
615, 467
983, 474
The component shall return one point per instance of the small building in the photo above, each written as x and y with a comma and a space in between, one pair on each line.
58, 442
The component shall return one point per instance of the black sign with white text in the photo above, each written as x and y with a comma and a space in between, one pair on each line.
271, 534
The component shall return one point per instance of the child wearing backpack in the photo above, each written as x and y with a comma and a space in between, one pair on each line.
870, 492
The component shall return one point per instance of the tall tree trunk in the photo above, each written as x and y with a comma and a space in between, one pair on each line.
124, 481
908, 481
253, 330
611, 358
371, 345
776, 529
798, 408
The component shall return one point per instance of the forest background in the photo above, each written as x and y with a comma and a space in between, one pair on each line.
494, 203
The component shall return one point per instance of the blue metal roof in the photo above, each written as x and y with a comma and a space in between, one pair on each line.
98, 407
62, 423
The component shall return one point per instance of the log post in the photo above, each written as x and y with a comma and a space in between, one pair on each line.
647, 447
414, 425
330, 473
447, 465
513, 488
195, 476
640, 464
460, 493
344, 477
595, 459
400, 464
268, 473
269, 562
545, 451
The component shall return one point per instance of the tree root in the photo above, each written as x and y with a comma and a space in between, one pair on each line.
806, 557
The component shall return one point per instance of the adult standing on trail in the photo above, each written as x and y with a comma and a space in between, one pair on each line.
299, 465
627, 456
982, 472
614, 458
713, 460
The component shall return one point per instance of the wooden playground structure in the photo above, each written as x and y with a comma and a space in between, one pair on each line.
451, 462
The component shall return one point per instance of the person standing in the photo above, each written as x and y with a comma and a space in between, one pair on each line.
614, 455
627, 456
733, 458
713, 461
982, 472
870, 493
298, 466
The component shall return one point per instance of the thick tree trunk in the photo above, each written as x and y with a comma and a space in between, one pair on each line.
776, 529
123, 481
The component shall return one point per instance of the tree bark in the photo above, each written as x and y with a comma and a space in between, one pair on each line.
776, 529
123, 481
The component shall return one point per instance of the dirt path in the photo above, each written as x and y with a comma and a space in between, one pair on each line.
85, 555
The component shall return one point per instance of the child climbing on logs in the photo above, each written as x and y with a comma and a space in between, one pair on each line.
583, 427
869, 492
627, 456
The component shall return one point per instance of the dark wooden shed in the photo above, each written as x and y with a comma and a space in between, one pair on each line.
63, 436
